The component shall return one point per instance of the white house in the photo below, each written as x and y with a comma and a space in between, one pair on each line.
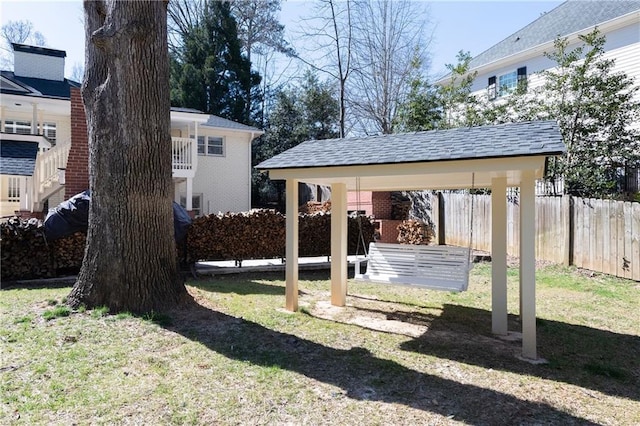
44, 152
521, 55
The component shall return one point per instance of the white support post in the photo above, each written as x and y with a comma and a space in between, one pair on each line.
25, 193
176, 191
34, 121
189, 197
499, 256
528, 264
291, 290
194, 150
339, 244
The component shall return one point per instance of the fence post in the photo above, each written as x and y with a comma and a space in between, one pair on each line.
439, 219
567, 226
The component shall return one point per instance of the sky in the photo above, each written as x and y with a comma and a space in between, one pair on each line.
472, 26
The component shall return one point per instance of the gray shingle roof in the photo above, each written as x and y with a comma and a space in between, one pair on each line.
215, 121
17, 158
570, 17
504, 140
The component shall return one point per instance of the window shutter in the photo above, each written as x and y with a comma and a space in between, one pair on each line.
491, 88
522, 79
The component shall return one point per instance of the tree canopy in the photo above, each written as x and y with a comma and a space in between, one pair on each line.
309, 110
595, 105
209, 71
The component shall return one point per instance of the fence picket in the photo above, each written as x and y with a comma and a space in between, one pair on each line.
601, 232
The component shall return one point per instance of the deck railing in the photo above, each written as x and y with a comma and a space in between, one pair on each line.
185, 157
46, 172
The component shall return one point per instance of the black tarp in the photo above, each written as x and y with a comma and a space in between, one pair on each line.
72, 216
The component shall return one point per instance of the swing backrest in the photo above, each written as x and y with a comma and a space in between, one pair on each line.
433, 267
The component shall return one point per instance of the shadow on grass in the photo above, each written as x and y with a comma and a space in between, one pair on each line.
361, 375
252, 283
588, 357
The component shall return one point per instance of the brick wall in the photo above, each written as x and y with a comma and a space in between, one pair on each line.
360, 201
77, 173
381, 202
388, 230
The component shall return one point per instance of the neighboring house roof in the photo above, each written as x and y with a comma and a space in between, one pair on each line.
17, 158
568, 18
219, 122
37, 86
191, 110
215, 121
504, 140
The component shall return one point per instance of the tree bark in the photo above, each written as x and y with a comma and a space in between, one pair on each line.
130, 258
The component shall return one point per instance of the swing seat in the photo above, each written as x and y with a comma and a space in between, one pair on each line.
431, 267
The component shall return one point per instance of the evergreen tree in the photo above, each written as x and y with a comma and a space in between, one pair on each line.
308, 111
210, 73
459, 106
595, 107
422, 109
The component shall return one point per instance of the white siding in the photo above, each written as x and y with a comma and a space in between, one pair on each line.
225, 182
622, 44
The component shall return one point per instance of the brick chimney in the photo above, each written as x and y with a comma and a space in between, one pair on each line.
77, 173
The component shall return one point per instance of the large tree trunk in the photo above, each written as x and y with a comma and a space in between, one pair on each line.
130, 259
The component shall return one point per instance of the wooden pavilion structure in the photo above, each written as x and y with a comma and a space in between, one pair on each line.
495, 157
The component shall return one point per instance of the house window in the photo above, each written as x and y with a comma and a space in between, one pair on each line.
506, 84
201, 145
18, 127
210, 145
491, 88
215, 146
49, 131
13, 189
196, 203
522, 79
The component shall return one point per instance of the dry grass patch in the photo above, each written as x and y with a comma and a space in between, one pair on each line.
393, 355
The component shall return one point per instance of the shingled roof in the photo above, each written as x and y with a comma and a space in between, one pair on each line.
568, 18
499, 141
18, 158
38, 87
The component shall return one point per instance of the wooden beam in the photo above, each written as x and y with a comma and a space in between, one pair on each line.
339, 244
528, 264
291, 268
499, 256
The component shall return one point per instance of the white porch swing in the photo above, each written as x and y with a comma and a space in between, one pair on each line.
431, 267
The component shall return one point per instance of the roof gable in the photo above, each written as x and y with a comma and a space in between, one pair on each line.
531, 138
568, 18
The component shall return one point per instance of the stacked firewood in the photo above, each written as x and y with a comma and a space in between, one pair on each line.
237, 236
68, 252
414, 232
262, 234
312, 207
256, 234
24, 250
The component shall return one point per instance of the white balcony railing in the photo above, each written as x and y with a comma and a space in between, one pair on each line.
48, 163
185, 157
46, 172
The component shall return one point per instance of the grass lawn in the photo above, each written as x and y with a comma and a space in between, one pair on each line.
393, 356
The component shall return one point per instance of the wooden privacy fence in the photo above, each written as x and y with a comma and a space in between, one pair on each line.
600, 235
